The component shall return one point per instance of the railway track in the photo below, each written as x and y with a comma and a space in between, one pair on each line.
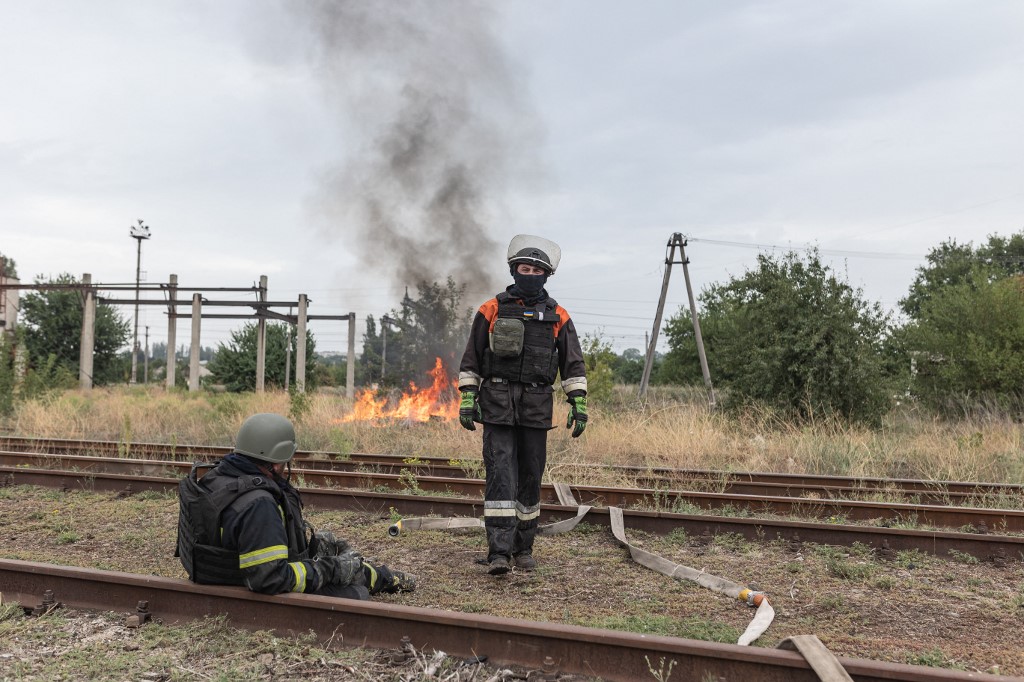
551, 648
743, 483
700, 527
880, 513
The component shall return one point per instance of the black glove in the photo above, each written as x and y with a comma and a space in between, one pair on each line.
469, 410
345, 569
577, 414
326, 544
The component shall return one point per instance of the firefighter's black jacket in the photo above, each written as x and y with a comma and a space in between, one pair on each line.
259, 538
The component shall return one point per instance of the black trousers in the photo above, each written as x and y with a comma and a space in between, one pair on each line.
362, 588
514, 457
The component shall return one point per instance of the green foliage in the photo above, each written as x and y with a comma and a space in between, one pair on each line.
234, 364
629, 367
433, 325
951, 264
789, 336
968, 340
600, 360
8, 268
53, 327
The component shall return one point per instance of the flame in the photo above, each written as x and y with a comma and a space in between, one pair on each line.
416, 404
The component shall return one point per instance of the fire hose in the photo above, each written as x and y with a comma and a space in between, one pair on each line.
762, 618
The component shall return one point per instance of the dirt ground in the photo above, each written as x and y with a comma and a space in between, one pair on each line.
913, 608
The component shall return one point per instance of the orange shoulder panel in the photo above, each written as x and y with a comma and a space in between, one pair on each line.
489, 310
563, 317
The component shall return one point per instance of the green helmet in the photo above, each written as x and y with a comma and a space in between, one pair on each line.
269, 437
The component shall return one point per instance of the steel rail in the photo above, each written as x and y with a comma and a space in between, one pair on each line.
886, 541
990, 520
556, 648
452, 467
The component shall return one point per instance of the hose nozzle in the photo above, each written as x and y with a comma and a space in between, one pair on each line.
395, 529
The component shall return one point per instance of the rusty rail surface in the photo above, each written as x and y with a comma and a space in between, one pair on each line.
996, 548
753, 483
555, 648
976, 518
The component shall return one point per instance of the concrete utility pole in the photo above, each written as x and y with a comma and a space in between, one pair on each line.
172, 329
88, 341
350, 363
676, 241
145, 359
138, 232
300, 346
384, 322
193, 358
261, 339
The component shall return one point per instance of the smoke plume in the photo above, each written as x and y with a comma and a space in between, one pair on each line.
441, 132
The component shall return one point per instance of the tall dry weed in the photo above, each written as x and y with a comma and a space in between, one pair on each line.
673, 428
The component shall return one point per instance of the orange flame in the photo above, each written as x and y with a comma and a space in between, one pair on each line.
416, 404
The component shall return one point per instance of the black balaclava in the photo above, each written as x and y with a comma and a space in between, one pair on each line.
530, 288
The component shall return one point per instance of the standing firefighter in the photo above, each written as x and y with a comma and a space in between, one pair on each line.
241, 524
521, 340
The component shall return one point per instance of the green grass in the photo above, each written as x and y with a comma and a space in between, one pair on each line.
651, 624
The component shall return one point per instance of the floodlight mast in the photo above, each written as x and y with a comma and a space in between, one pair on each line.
138, 233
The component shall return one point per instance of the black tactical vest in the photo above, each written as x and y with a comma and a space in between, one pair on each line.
199, 533
537, 362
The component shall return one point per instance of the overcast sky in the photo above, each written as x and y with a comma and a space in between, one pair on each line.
261, 137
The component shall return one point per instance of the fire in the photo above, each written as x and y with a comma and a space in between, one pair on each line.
416, 404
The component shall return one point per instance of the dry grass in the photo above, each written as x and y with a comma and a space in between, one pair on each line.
673, 429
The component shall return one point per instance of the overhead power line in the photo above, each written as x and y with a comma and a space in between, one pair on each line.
830, 252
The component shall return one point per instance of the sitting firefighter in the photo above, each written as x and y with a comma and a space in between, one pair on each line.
241, 524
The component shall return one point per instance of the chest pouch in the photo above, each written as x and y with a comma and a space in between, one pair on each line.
507, 337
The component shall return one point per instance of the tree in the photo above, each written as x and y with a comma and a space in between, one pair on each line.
791, 336
432, 326
951, 264
234, 363
7, 267
969, 340
630, 367
53, 327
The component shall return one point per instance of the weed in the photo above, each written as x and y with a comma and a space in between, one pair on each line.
911, 558
794, 567
963, 557
407, 479
933, 658
884, 582
849, 571
832, 602
474, 468
67, 537
298, 404
677, 536
732, 542
662, 674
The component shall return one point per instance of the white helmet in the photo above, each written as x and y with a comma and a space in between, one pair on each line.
527, 248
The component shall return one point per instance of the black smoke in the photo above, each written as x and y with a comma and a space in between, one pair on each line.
438, 134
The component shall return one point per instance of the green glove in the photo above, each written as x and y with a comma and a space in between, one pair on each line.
469, 410
577, 414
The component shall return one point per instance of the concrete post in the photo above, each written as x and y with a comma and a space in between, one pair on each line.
261, 339
350, 363
300, 346
193, 357
172, 329
88, 340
